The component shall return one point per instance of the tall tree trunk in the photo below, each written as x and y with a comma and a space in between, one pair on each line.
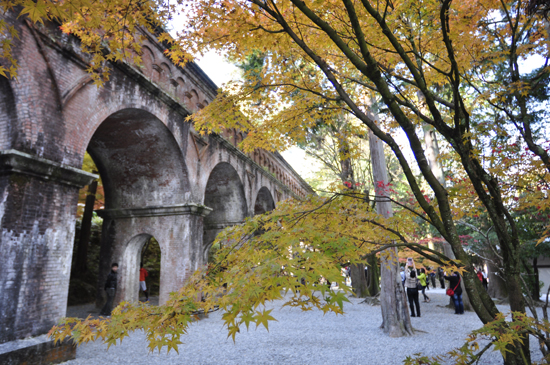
81, 265
357, 271
395, 314
373, 275
358, 280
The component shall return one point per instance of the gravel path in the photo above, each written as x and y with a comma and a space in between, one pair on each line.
305, 338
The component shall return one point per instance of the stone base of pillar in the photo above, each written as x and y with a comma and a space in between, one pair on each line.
36, 351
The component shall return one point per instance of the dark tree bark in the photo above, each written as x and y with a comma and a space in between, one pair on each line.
358, 280
81, 265
373, 276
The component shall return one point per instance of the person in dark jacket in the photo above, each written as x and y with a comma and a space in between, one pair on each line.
454, 283
110, 289
432, 278
412, 291
441, 275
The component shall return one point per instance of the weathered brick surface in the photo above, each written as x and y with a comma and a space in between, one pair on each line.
36, 351
35, 253
148, 156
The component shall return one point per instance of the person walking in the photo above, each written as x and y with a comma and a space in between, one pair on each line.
454, 285
412, 291
441, 275
427, 273
479, 275
432, 278
142, 285
110, 289
423, 281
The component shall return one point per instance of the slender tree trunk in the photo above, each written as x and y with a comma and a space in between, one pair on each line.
357, 271
395, 314
81, 265
432, 153
373, 275
536, 287
358, 280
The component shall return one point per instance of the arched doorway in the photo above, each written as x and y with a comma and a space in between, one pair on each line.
133, 257
264, 202
151, 258
224, 193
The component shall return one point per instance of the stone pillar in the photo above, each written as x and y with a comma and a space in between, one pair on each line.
179, 232
38, 199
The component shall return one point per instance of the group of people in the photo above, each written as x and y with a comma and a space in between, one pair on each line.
414, 281
111, 285
417, 280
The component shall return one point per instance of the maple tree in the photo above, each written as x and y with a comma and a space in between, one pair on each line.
454, 66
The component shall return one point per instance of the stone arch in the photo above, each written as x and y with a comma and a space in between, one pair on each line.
129, 266
148, 59
180, 93
139, 160
89, 107
166, 73
264, 201
156, 73
224, 194
145, 184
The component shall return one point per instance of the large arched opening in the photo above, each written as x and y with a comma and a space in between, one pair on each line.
224, 193
142, 172
264, 202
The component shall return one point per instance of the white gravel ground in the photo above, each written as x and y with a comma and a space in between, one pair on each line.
305, 338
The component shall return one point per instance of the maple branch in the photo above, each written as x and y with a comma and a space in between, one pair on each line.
461, 115
413, 83
259, 27
419, 79
265, 86
437, 257
386, 199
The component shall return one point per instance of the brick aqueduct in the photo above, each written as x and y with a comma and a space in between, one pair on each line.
160, 177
